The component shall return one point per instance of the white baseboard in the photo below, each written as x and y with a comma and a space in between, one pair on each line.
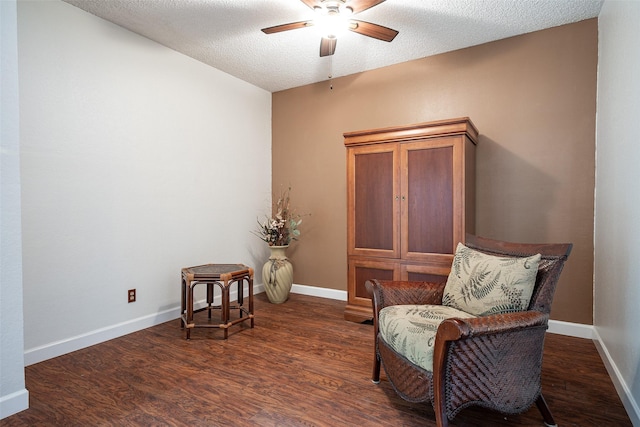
319, 292
577, 330
14, 403
58, 348
555, 326
628, 401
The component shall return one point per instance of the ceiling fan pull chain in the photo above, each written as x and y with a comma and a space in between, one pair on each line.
331, 72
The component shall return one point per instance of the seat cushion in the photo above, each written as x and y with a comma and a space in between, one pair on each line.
411, 329
483, 284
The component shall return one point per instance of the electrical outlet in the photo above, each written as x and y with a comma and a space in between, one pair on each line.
132, 295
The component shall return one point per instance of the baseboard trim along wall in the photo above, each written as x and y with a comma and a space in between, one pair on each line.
14, 403
555, 326
58, 348
577, 330
630, 405
20, 399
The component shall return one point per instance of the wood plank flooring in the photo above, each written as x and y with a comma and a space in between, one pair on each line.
302, 365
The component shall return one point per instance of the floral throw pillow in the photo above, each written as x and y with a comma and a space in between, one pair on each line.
482, 284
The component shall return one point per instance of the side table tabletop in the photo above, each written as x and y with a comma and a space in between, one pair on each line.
223, 276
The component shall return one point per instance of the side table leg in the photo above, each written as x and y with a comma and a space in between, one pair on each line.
183, 304
225, 306
189, 308
250, 281
209, 297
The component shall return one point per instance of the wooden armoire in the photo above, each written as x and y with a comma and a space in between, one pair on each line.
410, 200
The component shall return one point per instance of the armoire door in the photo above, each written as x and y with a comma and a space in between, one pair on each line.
431, 198
373, 201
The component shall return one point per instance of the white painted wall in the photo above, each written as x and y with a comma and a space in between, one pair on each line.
13, 394
617, 229
136, 161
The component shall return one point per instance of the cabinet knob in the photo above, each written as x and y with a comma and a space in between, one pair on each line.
397, 197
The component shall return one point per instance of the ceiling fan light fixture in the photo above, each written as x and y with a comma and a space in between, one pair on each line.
330, 19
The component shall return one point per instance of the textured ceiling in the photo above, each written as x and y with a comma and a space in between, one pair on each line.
226, 33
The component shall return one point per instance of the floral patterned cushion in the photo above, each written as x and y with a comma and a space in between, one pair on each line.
411, 329
482, 284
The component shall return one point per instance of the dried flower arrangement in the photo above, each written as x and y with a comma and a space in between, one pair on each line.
281, 228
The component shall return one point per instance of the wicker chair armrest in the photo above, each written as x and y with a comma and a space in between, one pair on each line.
454, 329
390, 292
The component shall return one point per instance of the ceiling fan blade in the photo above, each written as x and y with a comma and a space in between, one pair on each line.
328, 46
287, 27
373, 30
311, 3
360, 5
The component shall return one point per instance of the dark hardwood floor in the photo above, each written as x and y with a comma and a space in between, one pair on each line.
302, 365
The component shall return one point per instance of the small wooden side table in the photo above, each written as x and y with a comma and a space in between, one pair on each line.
223, 276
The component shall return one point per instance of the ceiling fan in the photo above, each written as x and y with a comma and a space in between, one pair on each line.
332, 16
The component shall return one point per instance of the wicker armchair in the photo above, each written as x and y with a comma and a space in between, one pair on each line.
493, 361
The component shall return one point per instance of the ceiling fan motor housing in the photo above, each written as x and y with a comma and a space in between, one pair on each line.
331, 7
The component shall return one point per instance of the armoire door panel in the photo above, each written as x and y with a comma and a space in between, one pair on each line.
426, 277
373, 208
373, 193
429, 200
361, 269
363, 274
438, 272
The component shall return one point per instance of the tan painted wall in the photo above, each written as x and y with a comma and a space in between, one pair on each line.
533, 99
